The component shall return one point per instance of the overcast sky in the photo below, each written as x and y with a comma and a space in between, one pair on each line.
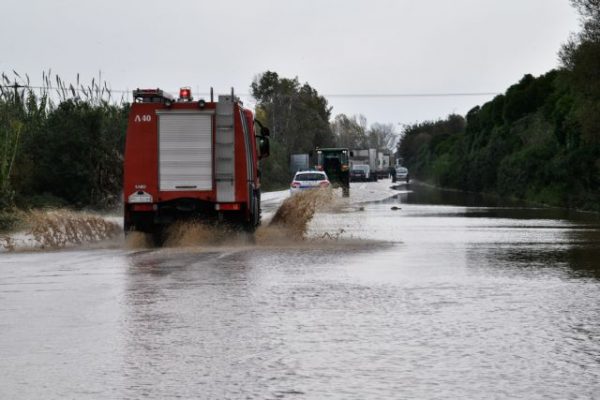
337, 46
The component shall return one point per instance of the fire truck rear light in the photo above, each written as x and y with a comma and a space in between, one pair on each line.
227, 207
142, 207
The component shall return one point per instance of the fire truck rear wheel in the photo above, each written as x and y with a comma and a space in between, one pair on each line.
254, 221
158, 235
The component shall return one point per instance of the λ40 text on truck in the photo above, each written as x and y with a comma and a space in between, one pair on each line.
190, 160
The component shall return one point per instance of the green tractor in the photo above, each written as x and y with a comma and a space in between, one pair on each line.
335, 163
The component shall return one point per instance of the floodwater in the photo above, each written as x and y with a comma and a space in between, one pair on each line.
421, 295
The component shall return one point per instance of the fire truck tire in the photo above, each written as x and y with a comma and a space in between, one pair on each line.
258, 209
158, 235
254, 221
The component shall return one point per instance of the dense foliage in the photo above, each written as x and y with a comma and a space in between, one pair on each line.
68, 153
539, 141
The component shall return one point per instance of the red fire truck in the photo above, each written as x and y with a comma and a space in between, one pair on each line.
187, 159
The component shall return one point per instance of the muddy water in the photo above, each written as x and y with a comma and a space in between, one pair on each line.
59, 229
426, 295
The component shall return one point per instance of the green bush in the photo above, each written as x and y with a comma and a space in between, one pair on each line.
538, 142
275, 173
8, 220
68, 153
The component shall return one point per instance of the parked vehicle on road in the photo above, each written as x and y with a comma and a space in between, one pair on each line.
304, 180
402, 174
365, 157
383, 165
360, 173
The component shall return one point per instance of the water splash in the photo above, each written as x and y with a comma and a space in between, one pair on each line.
288, 226
199, 233
295, 213
61, 228
137, 240
55, 229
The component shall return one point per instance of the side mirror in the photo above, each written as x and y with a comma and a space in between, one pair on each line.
265, 131
264, 147
351, 154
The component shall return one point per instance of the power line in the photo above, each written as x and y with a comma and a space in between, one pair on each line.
391, 95
66, 88
327, 95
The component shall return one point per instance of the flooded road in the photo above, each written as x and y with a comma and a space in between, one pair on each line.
415, 294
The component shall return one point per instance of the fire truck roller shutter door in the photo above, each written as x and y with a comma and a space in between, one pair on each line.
185, 151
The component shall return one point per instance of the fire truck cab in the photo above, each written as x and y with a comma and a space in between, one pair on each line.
191, 160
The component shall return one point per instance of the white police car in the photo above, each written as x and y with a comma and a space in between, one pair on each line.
304, 180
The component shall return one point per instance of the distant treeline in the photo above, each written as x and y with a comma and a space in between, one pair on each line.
60, 145
300, 121
540, 141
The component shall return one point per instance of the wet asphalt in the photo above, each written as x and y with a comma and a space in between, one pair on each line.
413, 293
